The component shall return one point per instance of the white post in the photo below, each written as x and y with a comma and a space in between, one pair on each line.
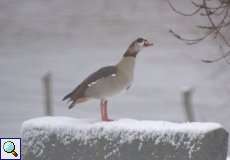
47, 83
187, 104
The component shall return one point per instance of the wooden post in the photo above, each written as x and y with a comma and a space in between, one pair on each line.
47, 83
187, 104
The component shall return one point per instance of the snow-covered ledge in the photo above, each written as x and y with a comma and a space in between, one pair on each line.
63, 138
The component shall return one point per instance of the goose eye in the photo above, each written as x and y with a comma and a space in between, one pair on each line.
140, 40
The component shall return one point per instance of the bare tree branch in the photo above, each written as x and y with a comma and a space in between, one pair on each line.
181, 13
217, 13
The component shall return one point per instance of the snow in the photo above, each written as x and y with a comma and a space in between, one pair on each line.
122, 124
89, 131
85, 129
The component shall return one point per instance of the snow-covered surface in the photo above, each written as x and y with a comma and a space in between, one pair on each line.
118, 125
131, 129
36, 133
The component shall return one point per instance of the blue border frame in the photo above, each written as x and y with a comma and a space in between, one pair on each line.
20, 147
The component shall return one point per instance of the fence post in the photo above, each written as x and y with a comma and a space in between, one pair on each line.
187, 103
47, 84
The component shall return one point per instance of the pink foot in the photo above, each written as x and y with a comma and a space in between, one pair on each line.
107, 120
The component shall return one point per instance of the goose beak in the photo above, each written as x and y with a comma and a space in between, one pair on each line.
147, 43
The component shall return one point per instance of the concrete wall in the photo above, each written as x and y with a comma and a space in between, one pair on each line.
71, 139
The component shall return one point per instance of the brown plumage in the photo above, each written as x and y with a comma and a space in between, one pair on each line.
78, 94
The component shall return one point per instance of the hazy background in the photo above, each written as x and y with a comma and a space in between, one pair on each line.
73, 38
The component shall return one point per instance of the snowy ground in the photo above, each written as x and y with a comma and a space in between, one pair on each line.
73, 38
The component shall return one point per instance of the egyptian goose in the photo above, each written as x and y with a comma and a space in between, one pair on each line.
109, 80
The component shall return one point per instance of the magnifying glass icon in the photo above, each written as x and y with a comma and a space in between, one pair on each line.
9, 147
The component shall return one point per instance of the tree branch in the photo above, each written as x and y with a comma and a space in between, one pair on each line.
217, 13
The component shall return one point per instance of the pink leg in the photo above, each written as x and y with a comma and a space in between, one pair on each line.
104, 111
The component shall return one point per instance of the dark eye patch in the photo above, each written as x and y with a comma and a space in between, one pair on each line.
140, 40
